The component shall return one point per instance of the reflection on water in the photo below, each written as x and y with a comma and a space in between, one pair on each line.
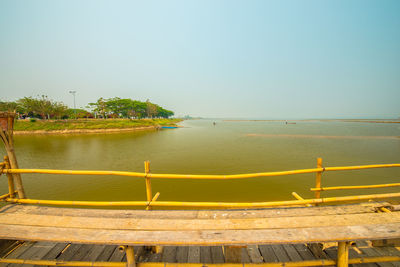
202, 148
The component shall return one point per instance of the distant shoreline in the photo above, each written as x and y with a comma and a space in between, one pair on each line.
86, 131
341, 120
44, 127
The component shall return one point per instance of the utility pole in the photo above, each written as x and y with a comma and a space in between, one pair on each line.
73, 93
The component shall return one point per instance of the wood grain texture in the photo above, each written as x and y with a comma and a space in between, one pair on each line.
197, 214
206, 228
204, 237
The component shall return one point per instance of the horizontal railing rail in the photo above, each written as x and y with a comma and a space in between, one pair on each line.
346, 187
199, 176
152, 201
318, 262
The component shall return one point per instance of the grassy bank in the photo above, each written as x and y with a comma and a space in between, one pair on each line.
89, 124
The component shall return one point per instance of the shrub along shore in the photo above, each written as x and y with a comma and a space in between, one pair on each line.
89, 125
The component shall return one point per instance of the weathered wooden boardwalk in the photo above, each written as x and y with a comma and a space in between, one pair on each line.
186, 254
276, 235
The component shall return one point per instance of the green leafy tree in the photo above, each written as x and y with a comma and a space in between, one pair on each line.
151, 109
42, 107
59, 110
164, 113
10, 106
100, 107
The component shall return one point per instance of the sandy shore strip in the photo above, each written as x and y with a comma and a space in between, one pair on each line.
87, 131
324, 136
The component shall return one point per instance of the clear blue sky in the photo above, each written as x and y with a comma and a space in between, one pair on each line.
259, 59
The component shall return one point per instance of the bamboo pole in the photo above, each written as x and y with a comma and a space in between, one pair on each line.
163, 176
318, 178
10, 178
361, 167
343, 254
4, 196
385, 209
153, 200
73, 172
298, 197
149, 194
354, 187
130, 257
6, 134
205, 204
17, 176
199, 176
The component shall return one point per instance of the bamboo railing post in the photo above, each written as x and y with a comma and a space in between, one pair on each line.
149, 194
318, 179
6, 134
130, 257
343, 254
298, 197
11, 189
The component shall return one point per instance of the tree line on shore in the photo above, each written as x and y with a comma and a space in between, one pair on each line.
44, 108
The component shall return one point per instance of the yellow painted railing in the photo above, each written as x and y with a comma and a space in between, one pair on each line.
152, 201
319, 262
200, 176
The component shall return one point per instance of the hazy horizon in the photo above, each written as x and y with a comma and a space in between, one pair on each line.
226, 59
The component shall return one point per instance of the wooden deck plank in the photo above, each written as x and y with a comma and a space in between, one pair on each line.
373, 253
217, 254
197, 224
82, 252
331, 253
54, 252
194, 254
117, 255
182, 254
254, 254
245, 256
234, 254
354, 254
268, 253
388, 251
106, 253
155, 257
205, 254
139, 252
317, 250
94, 253
205, 237
292, 252
280, 253
304, 252
68, 253
196, 214
169, 254
7, 246
18, 252
36, 252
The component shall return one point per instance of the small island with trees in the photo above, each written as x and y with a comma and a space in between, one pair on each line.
43, 115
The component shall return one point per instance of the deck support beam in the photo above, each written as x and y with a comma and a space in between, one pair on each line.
343, 254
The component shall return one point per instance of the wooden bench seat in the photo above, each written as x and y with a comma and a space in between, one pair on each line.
204, 227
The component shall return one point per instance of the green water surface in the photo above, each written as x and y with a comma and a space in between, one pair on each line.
202, 148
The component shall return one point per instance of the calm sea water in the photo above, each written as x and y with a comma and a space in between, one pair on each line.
202, 148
